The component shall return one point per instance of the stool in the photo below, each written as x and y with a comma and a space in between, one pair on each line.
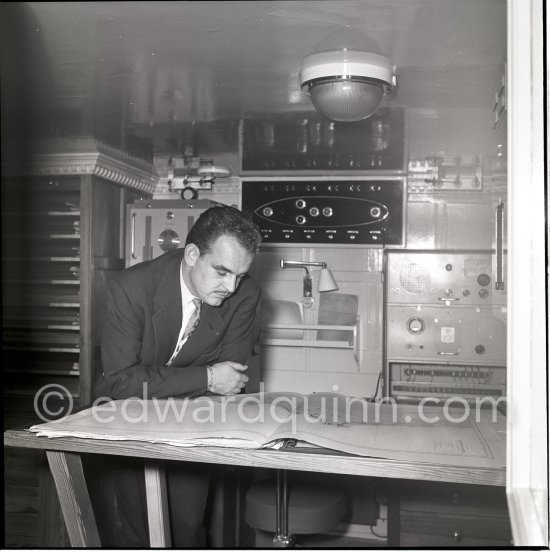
303, 509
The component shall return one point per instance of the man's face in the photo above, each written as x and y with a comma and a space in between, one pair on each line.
216, 275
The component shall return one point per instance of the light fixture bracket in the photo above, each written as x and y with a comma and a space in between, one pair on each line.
195, 172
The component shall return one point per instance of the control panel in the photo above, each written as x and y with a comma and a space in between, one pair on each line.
461, 334
305, 141
157, 226
442, 278
327, 211
411, 381
445, 326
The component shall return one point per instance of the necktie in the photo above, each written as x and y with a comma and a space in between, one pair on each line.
189, 328
194, 320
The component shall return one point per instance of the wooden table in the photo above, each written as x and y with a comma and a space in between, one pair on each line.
63, 455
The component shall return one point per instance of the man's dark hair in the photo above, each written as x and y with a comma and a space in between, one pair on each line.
223, 220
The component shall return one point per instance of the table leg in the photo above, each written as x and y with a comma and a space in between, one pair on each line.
66, 468
157, 505
282, 538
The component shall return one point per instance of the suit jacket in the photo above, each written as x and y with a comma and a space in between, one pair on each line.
141, 327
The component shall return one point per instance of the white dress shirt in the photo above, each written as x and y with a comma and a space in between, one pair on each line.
187, 309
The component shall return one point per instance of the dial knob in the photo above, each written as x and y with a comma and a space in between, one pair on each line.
415, 325
483, 280
480, 349
314, 211
375, 212
168, 240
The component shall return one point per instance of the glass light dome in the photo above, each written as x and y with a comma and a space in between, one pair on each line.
347, 85
346, 99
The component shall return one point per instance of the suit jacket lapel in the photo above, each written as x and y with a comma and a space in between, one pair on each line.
206, 333
167, 311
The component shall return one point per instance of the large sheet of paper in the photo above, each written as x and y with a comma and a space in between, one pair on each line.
460, 437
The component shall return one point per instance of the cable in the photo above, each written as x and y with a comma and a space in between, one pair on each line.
373, 398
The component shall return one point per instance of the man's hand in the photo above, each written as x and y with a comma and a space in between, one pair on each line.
228, 378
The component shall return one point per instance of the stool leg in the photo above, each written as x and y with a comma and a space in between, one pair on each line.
282, 538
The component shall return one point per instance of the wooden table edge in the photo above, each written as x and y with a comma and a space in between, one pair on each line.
317, 460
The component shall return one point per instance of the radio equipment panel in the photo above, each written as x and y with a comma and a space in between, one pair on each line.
442, 278
306, 142
445, 326
412, 382
346, 211
157, 226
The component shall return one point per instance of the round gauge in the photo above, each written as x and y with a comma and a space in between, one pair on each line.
168, 240
189, 193
415, 325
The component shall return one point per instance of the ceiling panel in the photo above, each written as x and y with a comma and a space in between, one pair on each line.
174, 62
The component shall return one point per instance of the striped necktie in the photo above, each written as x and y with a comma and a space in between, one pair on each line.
189, 328
194, 320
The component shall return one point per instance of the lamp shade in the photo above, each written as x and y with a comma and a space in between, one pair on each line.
326, 281
346, 85
346, 100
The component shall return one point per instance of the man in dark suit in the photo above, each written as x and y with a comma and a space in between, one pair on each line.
181, 325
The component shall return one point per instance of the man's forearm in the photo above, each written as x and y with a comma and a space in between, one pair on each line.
156, 382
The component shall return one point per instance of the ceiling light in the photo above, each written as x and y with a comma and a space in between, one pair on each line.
347, 85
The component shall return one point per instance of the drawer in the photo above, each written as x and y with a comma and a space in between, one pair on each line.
414, 540
455, 528
454, 499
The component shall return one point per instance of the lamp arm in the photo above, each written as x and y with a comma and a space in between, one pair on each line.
302, 264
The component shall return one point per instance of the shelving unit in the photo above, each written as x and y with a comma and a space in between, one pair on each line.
63, 230
41, 281
63, 209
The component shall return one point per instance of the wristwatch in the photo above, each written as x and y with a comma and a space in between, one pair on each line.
210, 375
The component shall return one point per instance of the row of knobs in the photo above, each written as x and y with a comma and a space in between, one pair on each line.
481, 375
375, 212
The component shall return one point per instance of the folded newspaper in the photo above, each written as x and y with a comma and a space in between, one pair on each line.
328, 420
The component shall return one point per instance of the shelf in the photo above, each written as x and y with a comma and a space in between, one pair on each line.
33, 238
318, 343
35, 326
39, 318
307, 343
30, 324
44, 259
30, 281
27, 214
43, 349
38, 336
46, 372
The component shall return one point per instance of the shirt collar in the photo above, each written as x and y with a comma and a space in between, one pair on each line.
186, 296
